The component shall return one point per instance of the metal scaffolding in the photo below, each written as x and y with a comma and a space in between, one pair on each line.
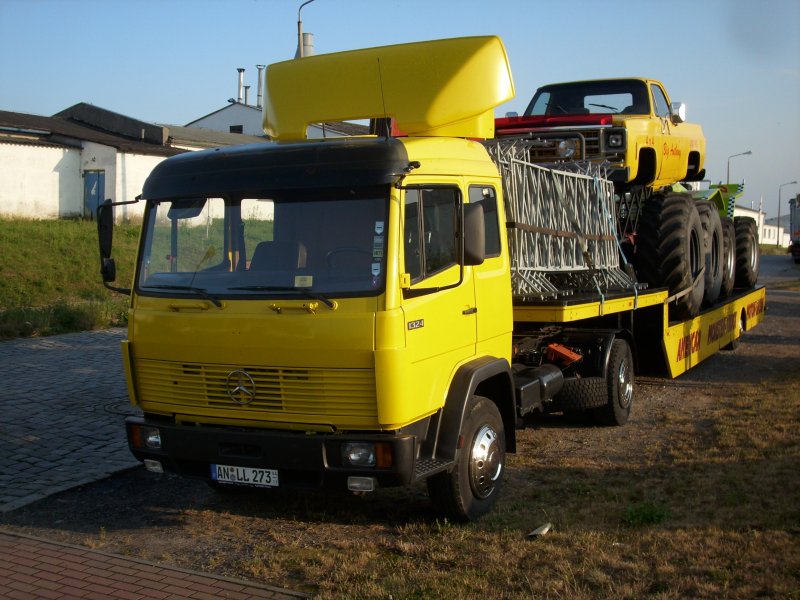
562, 226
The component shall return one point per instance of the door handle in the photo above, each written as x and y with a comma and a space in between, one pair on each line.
470, 311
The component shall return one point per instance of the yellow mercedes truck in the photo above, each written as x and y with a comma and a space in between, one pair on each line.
383, 310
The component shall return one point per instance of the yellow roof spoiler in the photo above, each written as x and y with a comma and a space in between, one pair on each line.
437, 88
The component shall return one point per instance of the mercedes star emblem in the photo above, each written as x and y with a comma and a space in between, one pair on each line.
240, 387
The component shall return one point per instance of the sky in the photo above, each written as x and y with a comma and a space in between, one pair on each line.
734, 63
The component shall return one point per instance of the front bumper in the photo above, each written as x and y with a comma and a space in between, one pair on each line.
303, 460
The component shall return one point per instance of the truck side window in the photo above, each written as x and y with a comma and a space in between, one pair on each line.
661, 104
430, 230
486, 196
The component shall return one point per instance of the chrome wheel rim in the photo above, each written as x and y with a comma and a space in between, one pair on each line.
485, 462
625, 385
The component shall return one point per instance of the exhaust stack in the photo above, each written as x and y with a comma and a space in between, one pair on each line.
260, 95
240, 95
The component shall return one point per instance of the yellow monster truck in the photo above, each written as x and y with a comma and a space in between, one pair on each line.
628, 123
631, 127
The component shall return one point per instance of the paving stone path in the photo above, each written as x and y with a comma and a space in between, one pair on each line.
63, 400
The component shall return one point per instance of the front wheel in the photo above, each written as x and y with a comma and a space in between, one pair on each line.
670, 253
471, 488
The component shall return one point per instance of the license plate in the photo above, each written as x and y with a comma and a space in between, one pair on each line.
244, 476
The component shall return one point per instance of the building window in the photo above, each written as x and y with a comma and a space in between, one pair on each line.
236, 128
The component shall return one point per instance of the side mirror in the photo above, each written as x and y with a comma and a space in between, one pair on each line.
105, 228
105, 234
474, 235
108, 269
678, 112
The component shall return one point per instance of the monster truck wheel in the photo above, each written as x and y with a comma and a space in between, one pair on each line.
712, 246
728, 257
619, 386
670, 250
471, 488
748, 255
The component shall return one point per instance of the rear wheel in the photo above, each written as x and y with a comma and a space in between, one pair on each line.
619, 382
471, 488
728, 257
748, 255
580, 394
712, 245
670, 251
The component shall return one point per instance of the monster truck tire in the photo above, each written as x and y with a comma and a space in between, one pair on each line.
748, 255
578, 395
670, 251
712, 246
728, 258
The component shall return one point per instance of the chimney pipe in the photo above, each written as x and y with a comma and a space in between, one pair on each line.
240, 96
260, 96
247, 95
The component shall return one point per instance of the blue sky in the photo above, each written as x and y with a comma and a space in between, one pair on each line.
735, 63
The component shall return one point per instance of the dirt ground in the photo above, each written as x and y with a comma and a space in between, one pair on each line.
182, 522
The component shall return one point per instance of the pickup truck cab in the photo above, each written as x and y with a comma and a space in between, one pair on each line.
628, 123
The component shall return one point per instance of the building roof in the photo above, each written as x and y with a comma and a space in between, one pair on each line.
199, 137
85, 122
22, 128
227, 107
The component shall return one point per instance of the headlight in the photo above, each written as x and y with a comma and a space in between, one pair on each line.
567, 148
358, 454
615, 140
143, 436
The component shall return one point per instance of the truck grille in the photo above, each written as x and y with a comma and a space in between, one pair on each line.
547, 151
327, 392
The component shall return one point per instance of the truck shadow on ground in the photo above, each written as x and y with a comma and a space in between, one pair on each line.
719, 494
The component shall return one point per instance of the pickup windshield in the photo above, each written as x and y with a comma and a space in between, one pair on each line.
617, 96
299, 244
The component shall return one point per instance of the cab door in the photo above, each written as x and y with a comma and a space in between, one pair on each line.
438, 296
670, 159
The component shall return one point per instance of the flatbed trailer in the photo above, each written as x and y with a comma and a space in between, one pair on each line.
661, 346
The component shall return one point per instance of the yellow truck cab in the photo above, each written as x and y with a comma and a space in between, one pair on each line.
365, 312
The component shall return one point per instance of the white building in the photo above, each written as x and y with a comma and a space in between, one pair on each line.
241, 116
65, 165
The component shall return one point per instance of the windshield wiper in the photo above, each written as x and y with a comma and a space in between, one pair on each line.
199, 291
287, 288
614, 108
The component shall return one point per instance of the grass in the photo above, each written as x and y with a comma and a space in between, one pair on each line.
50, 277
773, 250
720, 518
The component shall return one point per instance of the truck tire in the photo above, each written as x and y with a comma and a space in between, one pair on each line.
669, 250
580, 394
748, 254
471, 488
619, 386
728, 257
712, 246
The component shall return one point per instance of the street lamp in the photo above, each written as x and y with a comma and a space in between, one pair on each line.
729, 162
778, 231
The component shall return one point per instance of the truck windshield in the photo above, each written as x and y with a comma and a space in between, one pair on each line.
617, 96
298, 244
